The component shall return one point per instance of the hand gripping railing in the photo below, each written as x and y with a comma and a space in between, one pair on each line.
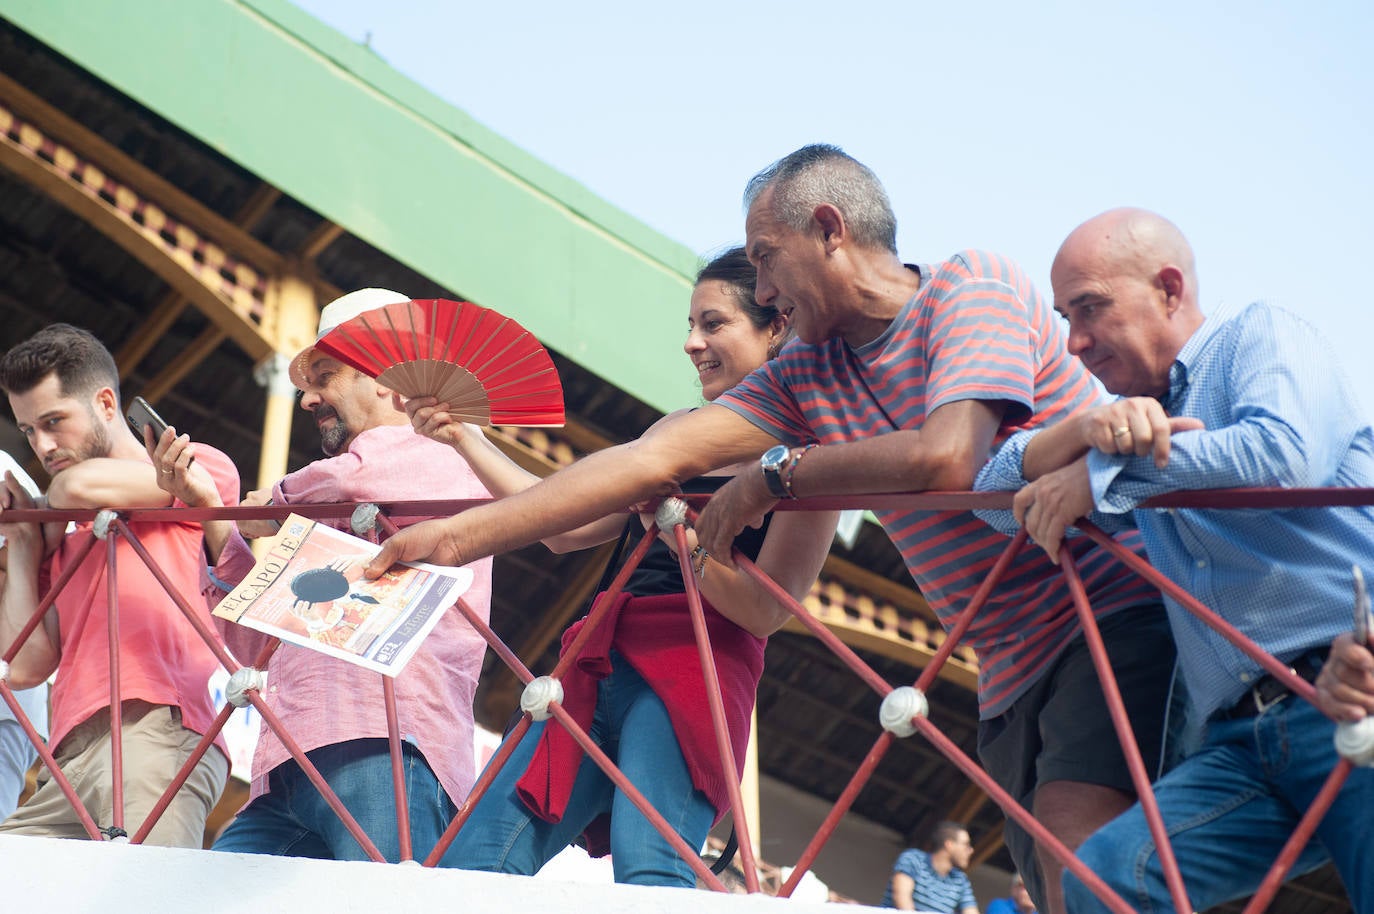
904, 710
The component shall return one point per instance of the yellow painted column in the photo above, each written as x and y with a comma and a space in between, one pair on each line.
271, 373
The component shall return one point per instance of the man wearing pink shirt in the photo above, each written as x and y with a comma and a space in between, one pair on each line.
63, 387
332, 708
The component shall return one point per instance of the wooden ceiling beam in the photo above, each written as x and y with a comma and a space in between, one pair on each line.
171, 305
320, 238
986, 847
144, 182
186, 361
969, 803
153, 328
258, 205
196, 268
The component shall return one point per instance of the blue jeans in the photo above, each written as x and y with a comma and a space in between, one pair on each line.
632, 726
16, 756
1229, 809
293, 820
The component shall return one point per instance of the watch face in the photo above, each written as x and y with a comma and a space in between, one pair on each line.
774, 457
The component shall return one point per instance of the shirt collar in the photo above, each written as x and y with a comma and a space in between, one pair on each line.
1188, 355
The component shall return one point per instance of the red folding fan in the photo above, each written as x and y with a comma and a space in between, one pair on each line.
486, 367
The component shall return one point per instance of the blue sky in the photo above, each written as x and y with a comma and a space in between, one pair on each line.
996, 125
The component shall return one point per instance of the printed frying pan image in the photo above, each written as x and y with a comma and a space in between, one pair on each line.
320, 587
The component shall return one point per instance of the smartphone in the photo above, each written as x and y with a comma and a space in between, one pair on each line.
141, 414
1363, 622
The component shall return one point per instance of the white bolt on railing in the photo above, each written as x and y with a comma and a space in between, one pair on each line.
899, 707
537, 695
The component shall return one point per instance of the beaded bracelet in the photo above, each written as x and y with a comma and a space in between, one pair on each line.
786, 476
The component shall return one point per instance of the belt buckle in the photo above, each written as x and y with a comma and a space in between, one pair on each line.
1261, 703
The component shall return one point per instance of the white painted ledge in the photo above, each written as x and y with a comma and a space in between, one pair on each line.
58, 877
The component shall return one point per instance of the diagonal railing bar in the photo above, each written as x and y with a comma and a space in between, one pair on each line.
273, 721
208, 635
1023, 817
602, 606
975, 605
63, 579
494, 641
565, 720
45, 754
884, 741
852, 660
203, 745
1272, 665
67, 573
308, 767
1307, 825
631, 792
717, 708
1121, 722
398, 780
508, 745
837, 812
116, 706
479, 789
393, 736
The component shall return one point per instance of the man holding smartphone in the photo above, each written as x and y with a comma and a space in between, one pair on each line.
63, 387
334, 709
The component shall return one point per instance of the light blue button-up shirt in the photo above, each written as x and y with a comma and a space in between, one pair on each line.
1279, 414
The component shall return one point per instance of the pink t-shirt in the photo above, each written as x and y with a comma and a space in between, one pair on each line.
162, 659
323, 700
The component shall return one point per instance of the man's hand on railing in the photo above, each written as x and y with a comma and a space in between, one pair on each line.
252, 529
741, 502
1345, 688
1051, 504
25, 538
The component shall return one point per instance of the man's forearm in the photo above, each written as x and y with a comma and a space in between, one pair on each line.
1053, 448
38, 656
107, 482
600, 484
943, 455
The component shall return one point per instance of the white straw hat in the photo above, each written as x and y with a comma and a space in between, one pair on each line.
344, 308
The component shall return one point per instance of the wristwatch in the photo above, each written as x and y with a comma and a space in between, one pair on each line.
772, 463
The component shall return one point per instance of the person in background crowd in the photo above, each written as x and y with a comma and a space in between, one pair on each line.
934, 881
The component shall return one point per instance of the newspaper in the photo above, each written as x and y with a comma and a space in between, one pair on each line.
309, 589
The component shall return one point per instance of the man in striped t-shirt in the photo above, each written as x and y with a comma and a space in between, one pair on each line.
934, 881
907, 378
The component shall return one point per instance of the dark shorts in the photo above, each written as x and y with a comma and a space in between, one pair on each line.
1060, 729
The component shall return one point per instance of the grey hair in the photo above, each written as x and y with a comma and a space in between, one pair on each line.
819, 174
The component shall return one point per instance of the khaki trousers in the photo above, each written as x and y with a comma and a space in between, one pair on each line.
155, 746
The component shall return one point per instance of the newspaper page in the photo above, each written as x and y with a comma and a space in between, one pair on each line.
309, 589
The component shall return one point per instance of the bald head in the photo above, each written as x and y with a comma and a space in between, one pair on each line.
1132, 240
1127, 283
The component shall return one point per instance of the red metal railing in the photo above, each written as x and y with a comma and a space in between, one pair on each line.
919, 722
